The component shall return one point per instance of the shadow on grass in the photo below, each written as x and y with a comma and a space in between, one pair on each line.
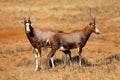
25, 62
74, 60
108, 60
57, 62
86, 63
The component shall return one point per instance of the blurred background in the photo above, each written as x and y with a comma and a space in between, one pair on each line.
101, 53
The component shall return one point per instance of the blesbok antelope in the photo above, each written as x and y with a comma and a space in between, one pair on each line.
76, 39
37, 37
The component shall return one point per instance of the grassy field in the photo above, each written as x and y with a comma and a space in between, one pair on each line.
101, 55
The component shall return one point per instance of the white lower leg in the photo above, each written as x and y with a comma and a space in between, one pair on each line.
52, 61
80, 61
80, 57
39, 56
36, 59
65, 59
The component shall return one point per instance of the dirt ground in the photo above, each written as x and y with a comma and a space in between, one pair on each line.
101, 55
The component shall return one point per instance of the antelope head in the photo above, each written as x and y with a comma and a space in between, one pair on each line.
92, 24
26, 21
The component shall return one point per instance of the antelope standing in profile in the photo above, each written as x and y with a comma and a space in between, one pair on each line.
37, 38
72, 40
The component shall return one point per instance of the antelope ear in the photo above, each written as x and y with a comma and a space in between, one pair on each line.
21, 21
90, 23
33, 20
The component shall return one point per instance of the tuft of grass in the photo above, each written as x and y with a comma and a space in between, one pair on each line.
25, 62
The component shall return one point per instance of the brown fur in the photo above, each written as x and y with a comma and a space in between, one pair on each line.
38, 37
75, 39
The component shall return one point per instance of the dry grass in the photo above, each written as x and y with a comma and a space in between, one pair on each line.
101, 55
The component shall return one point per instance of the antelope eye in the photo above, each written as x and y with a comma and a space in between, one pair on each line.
25, 21
29, 21
90, 23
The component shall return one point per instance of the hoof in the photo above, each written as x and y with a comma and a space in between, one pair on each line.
48, 67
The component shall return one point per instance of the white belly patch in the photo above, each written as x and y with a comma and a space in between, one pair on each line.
62, 48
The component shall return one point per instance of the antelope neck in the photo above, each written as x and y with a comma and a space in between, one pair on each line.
29, 31
87, 32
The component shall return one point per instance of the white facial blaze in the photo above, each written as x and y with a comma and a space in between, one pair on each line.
97, 30
27, 27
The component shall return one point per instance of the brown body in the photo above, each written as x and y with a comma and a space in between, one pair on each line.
37, 38
75, 39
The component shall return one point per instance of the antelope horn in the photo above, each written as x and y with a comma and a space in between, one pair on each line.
21, 14
91, 15
30, 13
